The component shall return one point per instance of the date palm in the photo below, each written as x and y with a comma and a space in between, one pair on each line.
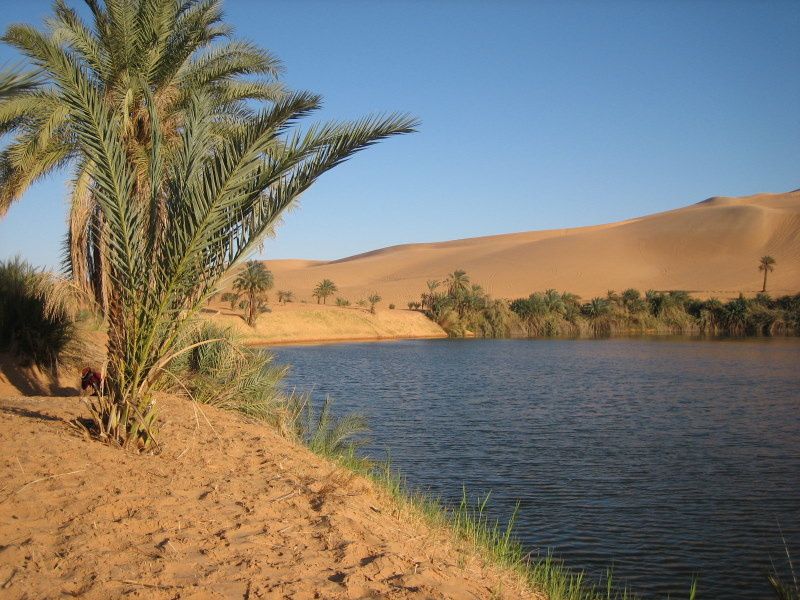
146, 59
766, 264
457, 283
373, 299
324, 288
429, 297
253, 281
204, 203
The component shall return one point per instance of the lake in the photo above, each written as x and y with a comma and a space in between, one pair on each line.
664, 457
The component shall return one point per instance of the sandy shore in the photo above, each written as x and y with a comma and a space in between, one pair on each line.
226, 509
312, 323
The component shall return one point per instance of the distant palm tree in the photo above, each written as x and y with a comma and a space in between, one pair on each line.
429, 298
597, 307
597, 311
457, 283
254, 280
324, 288
632, 300
373, 299
766, 264
554, 302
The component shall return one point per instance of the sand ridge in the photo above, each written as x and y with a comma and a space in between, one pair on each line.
298, 322
228, 509
710, 248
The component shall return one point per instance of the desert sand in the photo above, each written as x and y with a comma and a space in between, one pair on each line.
298, 322
226, 509
709, 249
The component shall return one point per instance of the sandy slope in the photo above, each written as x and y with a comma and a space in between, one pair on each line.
298, 322
710, 248
230, 512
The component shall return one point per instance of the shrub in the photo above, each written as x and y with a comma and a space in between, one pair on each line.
35, 324
342, 302
221, 371
324, 433
391, 307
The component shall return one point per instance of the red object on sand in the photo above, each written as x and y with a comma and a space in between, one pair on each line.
91, 379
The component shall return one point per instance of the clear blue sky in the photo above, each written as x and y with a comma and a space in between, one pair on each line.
534, 114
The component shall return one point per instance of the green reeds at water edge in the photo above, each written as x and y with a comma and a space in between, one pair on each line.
470, 524
785, 590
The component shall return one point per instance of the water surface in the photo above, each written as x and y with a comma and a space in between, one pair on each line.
667, 458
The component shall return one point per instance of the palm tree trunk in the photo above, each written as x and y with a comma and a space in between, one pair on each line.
251, 306
764, 289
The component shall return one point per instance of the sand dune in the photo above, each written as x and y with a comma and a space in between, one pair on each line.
710, 248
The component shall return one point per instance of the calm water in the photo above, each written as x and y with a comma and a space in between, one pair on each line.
665, 457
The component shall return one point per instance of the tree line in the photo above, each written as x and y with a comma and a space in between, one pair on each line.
462, 307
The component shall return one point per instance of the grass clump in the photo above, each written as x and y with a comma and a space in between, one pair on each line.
785, 589
220, 370
36, 324
321, 431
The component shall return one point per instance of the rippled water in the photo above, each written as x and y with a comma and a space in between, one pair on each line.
667, 458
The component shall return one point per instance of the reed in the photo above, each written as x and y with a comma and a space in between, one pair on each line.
474, 529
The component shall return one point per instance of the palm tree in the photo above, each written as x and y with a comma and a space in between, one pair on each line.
458, 288
457, 283
554, 302
253, 280
632, 300
373, 299
203, 205
146, 59
429, 297
766, 264
597, 310
324, 289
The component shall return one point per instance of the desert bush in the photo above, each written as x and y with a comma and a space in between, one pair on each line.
221, 371
342, 302
320, 430
35, 324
